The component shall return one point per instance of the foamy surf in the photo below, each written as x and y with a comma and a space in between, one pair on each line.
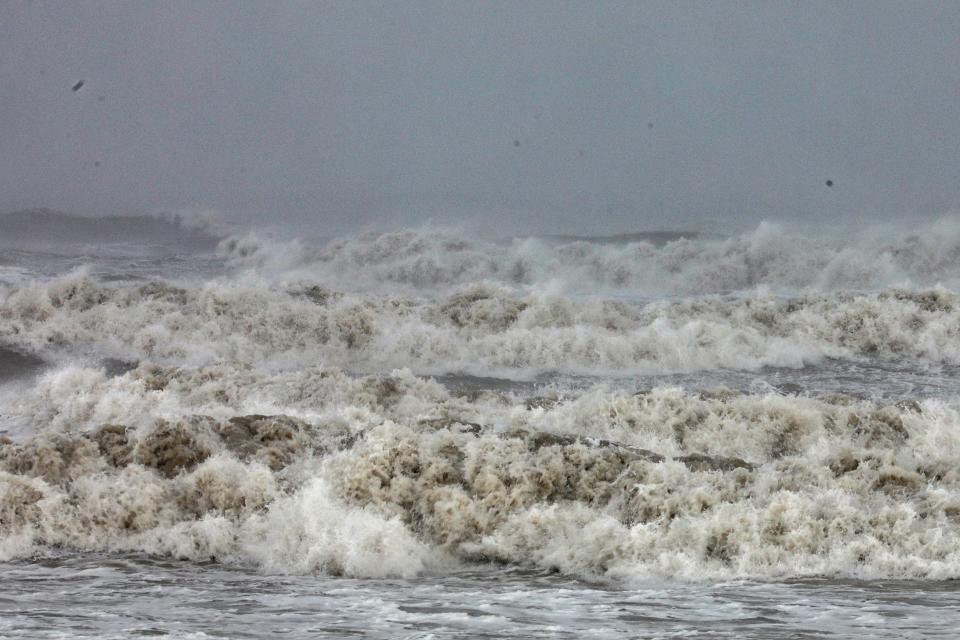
647, 265
394, 476
422, 410
482, 330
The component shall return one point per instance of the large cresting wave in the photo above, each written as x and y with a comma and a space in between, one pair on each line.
395, 475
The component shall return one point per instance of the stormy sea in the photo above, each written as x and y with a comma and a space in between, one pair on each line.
423, 434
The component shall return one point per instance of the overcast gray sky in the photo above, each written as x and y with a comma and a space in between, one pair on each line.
524, 116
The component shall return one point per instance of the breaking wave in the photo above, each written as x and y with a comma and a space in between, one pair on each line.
482, 330
396, 475
652, 265
277, 414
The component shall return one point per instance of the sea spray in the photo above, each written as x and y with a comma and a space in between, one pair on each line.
389, 476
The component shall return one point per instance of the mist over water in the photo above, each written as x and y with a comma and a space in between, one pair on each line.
524, 120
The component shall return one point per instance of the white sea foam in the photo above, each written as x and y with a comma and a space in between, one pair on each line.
481, 329
275, 416
392, 476
768, 257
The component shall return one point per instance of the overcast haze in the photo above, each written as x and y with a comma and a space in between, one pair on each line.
558, 117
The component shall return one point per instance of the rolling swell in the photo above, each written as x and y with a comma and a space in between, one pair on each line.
395, 475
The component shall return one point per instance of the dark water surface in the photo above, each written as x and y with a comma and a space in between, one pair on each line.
120, 596
14, 364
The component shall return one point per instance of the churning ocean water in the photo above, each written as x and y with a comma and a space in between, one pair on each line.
423, 435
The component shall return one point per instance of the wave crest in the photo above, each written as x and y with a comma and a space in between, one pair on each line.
768, 257
391, 477
482, 329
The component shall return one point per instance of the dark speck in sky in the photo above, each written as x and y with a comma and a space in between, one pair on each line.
78, 86
516, 143
829, 183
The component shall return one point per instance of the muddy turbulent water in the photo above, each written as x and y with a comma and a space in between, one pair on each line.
416, 435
